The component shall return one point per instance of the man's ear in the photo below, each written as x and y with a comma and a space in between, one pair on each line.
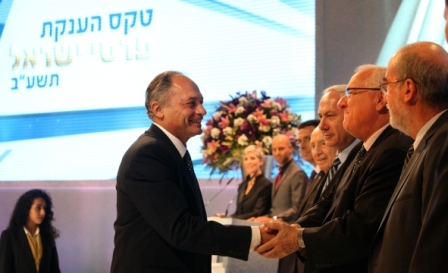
157, 110
411, 94
380, 102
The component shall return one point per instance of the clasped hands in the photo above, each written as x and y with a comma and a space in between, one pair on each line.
278, 239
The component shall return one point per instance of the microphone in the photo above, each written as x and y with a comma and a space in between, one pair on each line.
214, 196
227, 209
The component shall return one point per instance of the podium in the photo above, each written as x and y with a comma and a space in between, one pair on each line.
255, 263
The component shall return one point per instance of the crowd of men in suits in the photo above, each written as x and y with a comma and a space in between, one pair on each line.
382, 210
379, 206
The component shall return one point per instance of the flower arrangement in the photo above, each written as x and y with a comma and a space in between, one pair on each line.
244, 120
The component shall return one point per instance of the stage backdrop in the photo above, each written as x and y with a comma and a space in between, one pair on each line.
74, 73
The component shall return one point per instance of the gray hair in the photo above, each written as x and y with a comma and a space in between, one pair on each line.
258, 151
158, 90
431, 76
340, 88
377, 76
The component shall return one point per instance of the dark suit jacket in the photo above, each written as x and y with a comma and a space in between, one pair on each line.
158, 226
341, 226
287, 197
307, 203
413, 235
257, 202
16, 255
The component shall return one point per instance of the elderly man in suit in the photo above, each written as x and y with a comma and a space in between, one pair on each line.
323, 156
336, 233
413, 234
161, 224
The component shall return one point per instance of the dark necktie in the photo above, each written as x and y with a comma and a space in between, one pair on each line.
359, 157
331, 172
312, 177
408, 156
195, 185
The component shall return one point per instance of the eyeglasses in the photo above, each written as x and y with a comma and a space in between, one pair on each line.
349, 92
385, 85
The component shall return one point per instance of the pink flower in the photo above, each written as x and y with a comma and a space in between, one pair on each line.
284, 117
225, 122
258, 112
212, 146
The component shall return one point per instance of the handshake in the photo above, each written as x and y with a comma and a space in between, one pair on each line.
278, 239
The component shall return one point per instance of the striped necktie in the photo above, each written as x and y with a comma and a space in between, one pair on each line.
408, 157
194, 182
331, 172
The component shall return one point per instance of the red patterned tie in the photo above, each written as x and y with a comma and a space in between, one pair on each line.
278, 178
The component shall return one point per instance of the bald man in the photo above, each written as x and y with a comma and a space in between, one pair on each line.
413, 236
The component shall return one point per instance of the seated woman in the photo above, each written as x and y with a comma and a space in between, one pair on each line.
28, 245
254, 193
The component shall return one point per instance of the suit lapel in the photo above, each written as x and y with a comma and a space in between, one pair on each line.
344, 182
284, 177
183, 171
311, 190
28, 259
412, 161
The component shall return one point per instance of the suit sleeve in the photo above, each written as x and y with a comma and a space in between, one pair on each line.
354, 230
154, 183
6, 254
431, 251
54, 266
298, 188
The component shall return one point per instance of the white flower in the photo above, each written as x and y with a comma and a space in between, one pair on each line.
242, 140
276, 131
267, 140
275, 121
251, 118
238, 122
265, 128
239, 110
243, 100
217, 115
215, 133
228, 131
277, 105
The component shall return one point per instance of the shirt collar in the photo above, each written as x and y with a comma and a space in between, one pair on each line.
369, 143
344, 153
177, 143
27, 232
317, 169
425, 129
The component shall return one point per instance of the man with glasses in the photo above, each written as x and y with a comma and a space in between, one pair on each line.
336, 233
413, 234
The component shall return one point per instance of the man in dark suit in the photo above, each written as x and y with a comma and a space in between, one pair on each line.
413, 234
303, 140
335, 234
323, 156
161, 223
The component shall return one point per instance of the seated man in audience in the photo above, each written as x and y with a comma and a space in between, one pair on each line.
336, 233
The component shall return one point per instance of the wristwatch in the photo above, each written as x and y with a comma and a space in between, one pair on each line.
300, 238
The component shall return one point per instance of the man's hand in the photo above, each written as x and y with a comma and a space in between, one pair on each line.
266, 234
283, 244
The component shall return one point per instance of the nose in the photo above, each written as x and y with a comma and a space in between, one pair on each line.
201, 110
342, 103
323, 124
